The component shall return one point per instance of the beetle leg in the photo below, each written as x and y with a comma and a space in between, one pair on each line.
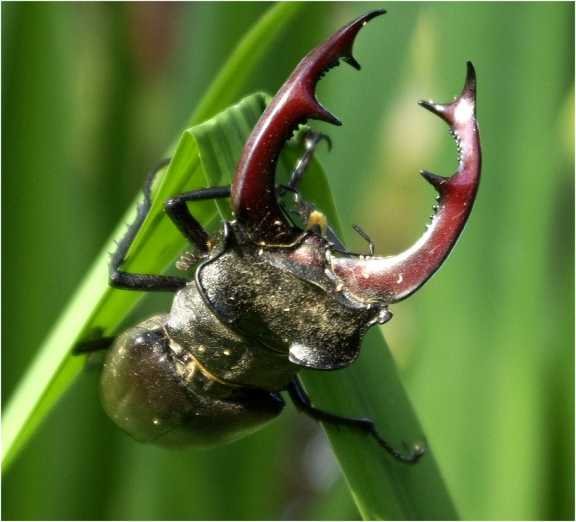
133, 281
311, 141
303, 403
178, 212
313, 219
96, 342
94, 345
360, 231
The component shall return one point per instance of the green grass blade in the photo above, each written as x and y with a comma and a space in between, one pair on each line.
94, 306
382, 487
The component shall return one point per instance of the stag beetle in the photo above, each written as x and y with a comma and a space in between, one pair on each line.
269, 297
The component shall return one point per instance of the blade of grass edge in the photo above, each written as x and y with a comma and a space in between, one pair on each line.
51, 372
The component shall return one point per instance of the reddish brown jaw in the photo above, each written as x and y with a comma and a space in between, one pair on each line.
391, 279
371, 279
253, 190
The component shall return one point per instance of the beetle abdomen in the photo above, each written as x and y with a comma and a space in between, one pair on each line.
171, 401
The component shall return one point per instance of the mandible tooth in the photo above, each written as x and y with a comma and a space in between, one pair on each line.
434, 179
350, 60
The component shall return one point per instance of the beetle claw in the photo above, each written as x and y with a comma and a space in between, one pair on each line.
254, 199
391, 279
312, 138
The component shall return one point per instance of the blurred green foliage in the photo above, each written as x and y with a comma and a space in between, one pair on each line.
93, 93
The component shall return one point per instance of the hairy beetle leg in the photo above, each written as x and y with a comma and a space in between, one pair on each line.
303, 403
177, 210
133, 281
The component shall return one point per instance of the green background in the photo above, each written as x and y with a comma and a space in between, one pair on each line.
92, 95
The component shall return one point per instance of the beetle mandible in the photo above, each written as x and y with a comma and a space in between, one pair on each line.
269, 297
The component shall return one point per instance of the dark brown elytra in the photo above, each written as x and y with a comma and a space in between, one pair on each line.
268, 297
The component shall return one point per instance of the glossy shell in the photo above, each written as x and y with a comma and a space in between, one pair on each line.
157, 398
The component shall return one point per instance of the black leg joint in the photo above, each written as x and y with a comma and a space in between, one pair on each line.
190, 228
302, 403
177, 209
144, 282
94, 345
